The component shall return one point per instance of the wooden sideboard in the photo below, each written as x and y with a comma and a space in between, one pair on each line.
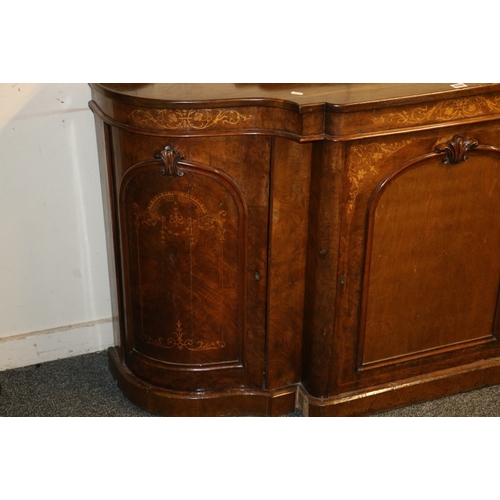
332, 248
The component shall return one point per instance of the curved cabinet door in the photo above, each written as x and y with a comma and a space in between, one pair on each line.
184, 237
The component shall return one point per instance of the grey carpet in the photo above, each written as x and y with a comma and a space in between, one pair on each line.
83, 387
73, 387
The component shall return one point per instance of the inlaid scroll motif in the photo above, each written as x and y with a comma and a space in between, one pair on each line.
456, 149
452, 109
364, 164
178, 341
197, 119
173, 212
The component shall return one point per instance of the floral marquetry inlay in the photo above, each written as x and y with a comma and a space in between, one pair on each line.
178, 341
194, 119
364, 162
166, 209
452, 109
180, 219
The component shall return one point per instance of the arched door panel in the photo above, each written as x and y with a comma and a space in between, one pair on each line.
184, 234
432, 264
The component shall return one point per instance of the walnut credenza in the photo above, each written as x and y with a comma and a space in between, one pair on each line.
332, 248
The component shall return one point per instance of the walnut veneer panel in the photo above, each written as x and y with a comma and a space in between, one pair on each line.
432, 271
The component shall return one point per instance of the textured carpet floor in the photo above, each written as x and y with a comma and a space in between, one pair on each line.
83, 387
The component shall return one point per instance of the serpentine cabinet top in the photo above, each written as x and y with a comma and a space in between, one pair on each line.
302, 111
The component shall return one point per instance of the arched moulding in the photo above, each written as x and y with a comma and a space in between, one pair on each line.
429, 234
183, 231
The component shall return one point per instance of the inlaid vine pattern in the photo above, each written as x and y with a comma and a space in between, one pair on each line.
364, 163
194, 119
452, 109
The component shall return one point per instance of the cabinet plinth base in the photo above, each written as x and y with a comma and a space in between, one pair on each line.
235, 402
402, 393
241, 402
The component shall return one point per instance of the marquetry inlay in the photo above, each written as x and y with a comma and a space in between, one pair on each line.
173, 221
191, 119
179, 342
452, 109
364, 161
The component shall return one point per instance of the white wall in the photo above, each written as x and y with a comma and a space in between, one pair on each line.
54, 291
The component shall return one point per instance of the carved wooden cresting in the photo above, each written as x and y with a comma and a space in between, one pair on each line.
326, 248
456, 149
170, 158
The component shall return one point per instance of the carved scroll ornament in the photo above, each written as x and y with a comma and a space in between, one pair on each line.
170, 158
456, 149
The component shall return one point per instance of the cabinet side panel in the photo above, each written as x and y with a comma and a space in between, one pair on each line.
106, 168
287, 257
322, 260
